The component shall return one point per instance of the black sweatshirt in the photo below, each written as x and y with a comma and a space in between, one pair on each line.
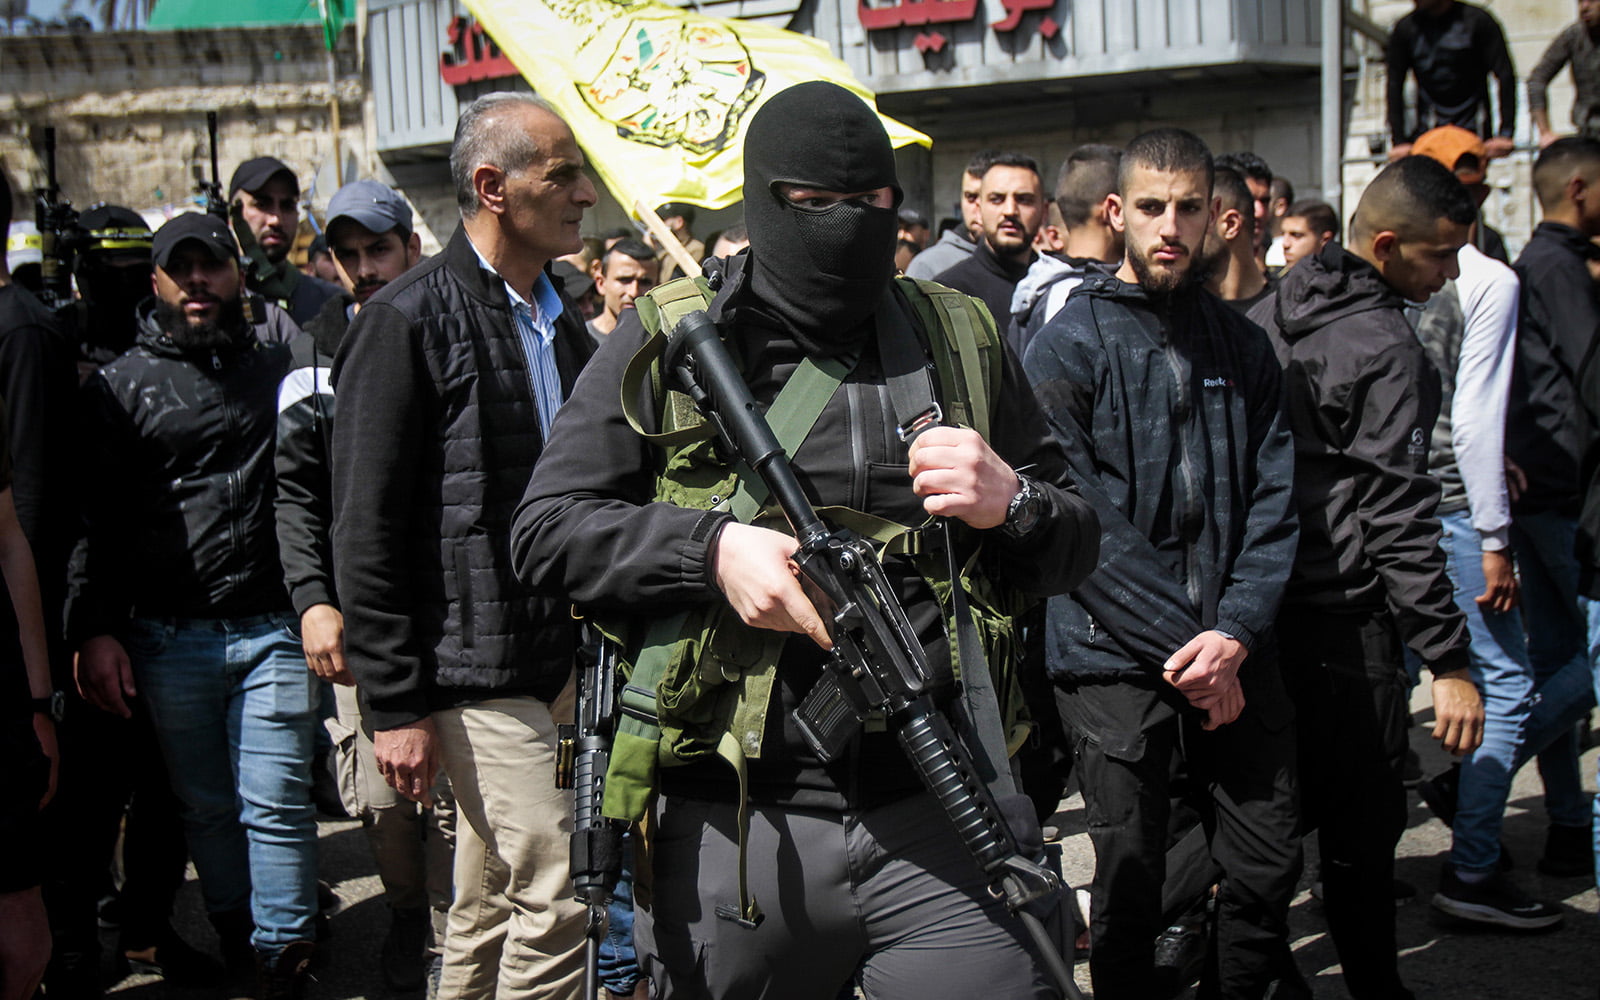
586, 529
1362, 399
1555, 333
1452, 56
987, 277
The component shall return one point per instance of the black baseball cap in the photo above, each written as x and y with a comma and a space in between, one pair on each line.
252, 175
206, 229
573, 281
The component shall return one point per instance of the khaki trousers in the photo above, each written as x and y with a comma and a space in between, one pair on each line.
514, 929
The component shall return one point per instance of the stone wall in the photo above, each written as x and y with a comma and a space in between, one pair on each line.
129, 109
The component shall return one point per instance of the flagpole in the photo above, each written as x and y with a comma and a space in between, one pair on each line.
667, 238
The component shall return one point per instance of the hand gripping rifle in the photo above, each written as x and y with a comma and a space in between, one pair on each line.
582, 758
61, 236
877, 663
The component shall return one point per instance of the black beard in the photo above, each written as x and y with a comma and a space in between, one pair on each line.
213, 335
1161, 284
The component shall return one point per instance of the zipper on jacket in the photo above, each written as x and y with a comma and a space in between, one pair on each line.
1188, 509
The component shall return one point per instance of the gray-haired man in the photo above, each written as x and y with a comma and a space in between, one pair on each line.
448, 381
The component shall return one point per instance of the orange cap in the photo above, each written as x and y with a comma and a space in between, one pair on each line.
1448, 144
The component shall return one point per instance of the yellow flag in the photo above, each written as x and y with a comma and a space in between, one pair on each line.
659, 97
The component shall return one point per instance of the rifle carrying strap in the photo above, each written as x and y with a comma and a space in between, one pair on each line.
916, 408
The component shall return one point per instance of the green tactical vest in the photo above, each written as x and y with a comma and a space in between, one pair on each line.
699, 682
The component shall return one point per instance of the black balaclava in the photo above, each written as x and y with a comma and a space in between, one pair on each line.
821, 272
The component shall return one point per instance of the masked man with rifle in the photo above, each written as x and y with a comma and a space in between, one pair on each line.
264, 194
791, 857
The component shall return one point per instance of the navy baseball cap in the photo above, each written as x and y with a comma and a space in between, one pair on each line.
207, 230
252, 175
376, 207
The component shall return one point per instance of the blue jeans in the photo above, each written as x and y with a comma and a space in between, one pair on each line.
234, 707
1499, 658
1547, 565
619, 963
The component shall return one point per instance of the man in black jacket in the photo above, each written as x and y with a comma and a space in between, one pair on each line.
448, 381
1362, 399
860, 876
1556, 520
1011, 208
178, 593
1167, 402
265, 197
372, 243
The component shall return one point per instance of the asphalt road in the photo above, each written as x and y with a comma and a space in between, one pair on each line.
1440, 957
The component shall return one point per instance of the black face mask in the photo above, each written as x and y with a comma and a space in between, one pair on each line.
112, 295
819, 271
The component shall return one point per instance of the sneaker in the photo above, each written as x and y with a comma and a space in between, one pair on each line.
1493, 901
404, 958
1568, 851
1181, 953
282, 976
174, 960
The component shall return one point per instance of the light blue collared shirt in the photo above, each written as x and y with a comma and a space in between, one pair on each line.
536, 329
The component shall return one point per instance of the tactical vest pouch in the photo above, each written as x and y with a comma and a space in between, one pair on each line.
694, 687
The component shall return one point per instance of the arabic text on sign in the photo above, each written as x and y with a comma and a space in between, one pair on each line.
472, 55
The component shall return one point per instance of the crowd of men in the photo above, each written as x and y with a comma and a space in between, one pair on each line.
1179, 483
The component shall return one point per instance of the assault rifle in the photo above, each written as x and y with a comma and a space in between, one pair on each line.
877, 663
61, 236
209, 192
584, 752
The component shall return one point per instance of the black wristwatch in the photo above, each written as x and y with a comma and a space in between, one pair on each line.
1022, 516
54, 705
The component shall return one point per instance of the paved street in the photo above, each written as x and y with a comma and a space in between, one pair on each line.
1441, 959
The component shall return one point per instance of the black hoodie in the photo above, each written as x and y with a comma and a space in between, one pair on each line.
1362, 399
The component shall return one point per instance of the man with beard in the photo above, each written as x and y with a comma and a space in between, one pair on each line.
371, 241
957, 242
265, 198
1011, 208
1167, 404
1228, 261
178, 594
858, 874
1362, 399
449, 380
117, 783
